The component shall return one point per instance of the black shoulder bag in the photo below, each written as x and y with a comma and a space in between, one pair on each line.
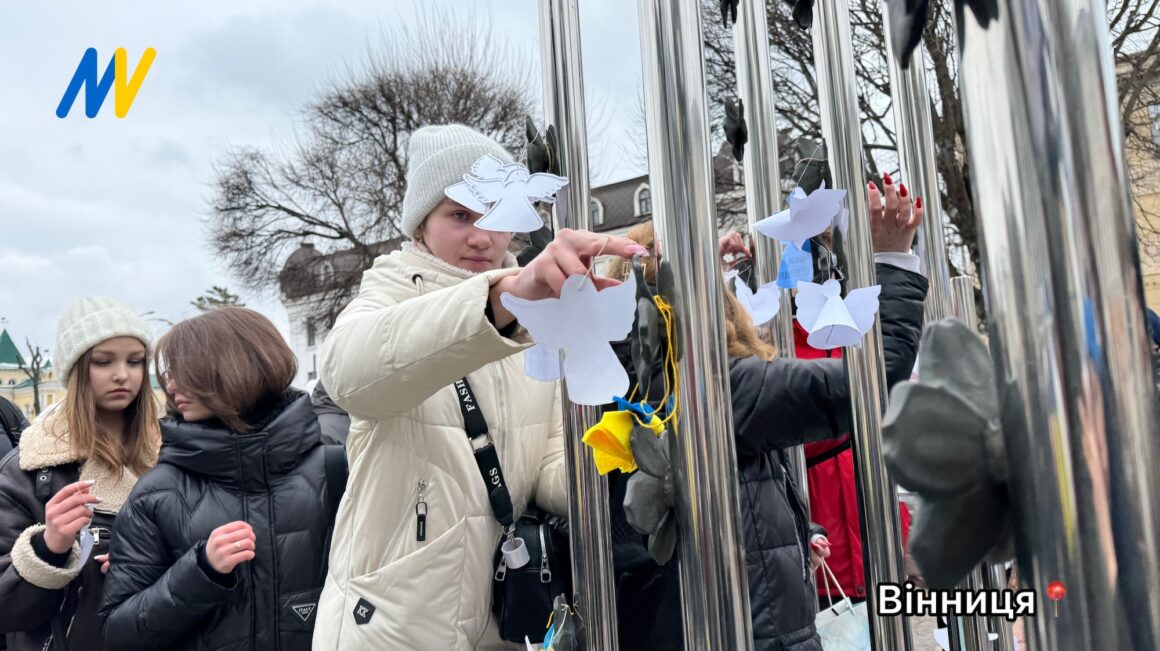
522, 598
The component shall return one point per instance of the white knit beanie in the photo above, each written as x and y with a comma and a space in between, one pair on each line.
438, 157
87, 322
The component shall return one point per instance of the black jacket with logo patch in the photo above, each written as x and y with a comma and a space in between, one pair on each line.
157, 594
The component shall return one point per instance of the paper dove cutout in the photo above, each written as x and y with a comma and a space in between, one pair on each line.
508, 191
831, 321
806, 216
763, 305
796, 265
582, 322
487, 167
943, 439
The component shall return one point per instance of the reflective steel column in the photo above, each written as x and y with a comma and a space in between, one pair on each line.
878, 499
763, 173
982, 577
995, 578
1063, 289
714, 595
912, 127
592, 574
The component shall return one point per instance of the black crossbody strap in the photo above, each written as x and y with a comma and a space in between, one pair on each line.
486, 456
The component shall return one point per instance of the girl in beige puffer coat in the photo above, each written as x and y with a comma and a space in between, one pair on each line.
425, 317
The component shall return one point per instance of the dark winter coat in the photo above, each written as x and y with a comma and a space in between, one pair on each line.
776, 405
37, 585
159, 596
12, 423
333, 421
787, 402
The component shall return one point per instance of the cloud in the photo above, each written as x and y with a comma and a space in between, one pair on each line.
169, 152
270, 60
115, 207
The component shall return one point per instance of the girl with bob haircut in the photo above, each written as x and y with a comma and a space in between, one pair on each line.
222, 545
62, 488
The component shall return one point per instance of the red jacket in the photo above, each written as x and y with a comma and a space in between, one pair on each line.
834, 497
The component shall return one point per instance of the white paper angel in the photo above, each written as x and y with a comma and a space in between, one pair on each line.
582, 323
831, 321
761, 306
807, 215
542, 363
507, 191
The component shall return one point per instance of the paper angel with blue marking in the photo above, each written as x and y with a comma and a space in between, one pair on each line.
807, 215
508, 191
582, 323
761, 306
832, 321
796, 265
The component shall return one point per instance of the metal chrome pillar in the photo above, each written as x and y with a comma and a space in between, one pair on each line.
982, 577
714, 594
763, 174
592, 574
878, 498
912, 127
995, 578
1065, 319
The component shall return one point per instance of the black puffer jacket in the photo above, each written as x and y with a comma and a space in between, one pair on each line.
12, 423
158, 596
776, 405
786, 402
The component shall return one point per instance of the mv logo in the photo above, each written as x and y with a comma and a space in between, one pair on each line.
116, 77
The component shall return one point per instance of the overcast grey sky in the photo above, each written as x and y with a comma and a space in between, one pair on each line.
114, 207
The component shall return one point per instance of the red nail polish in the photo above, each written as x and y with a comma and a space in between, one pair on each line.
918, 202
902, 188
886, 179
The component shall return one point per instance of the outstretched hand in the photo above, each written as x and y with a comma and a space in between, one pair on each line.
569, 253
894, 216
732, 243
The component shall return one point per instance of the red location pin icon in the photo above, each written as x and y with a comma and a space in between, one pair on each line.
1056, 591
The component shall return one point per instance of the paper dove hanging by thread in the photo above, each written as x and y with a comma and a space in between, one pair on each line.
581, 323
832, 321
761, 306
508, 192
807, 215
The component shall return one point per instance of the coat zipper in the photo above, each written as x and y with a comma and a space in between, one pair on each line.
421, 513
791, 498
545, 571
271, 517
246, 518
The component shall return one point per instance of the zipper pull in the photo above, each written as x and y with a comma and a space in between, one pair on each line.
421, 514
